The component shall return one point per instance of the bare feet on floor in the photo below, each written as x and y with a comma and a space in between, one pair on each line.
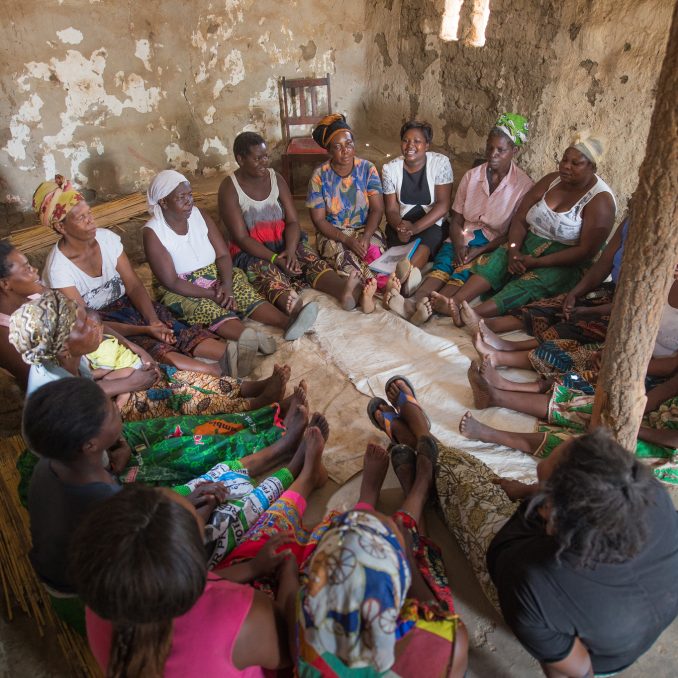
470, 318
318, 421
493, 340
423, 311
484, 351
312, 446
375, 466
274, 391
367, 297
296, 421
440, 303
293, 303
482, 397
492, 377
348, 302
299, 397
473, 429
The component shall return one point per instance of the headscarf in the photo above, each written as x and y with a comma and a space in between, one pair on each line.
589, 146
160, 187
357, 581
53, 200
328, 128
514, 126
39, 329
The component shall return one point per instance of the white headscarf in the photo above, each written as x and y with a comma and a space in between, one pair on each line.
160, 187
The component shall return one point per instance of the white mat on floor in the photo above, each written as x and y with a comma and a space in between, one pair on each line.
371, 348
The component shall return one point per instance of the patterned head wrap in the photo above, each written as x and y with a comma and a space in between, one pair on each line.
514, 126
357, 581
160, 187
53, 200
587, 145
328, 128
39, 329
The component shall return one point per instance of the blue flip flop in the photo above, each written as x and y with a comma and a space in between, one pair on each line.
405, 397
389, 417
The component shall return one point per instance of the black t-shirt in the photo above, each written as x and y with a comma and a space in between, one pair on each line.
617, 611
415, 191
55, 511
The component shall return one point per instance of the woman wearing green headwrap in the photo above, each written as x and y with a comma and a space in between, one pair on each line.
486, 199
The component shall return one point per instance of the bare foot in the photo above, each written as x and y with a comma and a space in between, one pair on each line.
493, 340
299, 396
375, 466
392, 285
296, 422
312, 446
424, 310
367, 298
482, 397
484, 351
277, 383
318, 420
347, 301
440, 303
293, 303
470, 318
492, 377
473, 429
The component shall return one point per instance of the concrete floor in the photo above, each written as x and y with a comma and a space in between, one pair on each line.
494, 651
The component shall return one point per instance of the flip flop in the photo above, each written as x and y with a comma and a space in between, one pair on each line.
248, 344
267, 344
389, 417
229, 360
405, 397
402, 455
427, 447
303, 322
410, 277
395, 303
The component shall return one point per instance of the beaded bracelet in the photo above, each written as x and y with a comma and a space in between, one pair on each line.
273, 258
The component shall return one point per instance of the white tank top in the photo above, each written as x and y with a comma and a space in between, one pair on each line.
189, 252
667, 337
563, 227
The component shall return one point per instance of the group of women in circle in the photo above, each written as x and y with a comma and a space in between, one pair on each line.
164, 411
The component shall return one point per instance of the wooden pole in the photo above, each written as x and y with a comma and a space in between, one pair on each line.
650, 256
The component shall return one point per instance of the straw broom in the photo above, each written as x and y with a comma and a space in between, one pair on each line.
35, 238
18, 579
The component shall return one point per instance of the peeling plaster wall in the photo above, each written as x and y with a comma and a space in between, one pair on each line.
110, 93
565, 65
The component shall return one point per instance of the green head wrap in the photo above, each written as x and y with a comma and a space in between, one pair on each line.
514, 126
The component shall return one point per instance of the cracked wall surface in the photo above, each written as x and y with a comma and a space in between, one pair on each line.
564, 65
110, 93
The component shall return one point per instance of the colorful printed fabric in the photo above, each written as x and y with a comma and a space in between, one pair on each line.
543, 319
570, 414
182, 392
206, 312
564, 357
174, 450
474, 507
270, 281
53, 200
328, 127
345, 199
230, 522
443, 264
357, 582
187, 338
38, 330
514, 126
538, 283
343, 260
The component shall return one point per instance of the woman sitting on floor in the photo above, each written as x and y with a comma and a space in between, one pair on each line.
558, 229
258, 211
417, 193
190, 259
72, 476
54, 335
584, 570
88, 264
346, 206
19, 281
582, 315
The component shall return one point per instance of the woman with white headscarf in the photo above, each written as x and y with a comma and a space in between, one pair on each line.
192, 264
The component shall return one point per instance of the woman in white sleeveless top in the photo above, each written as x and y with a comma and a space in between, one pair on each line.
560, 225
257, 208
190, 260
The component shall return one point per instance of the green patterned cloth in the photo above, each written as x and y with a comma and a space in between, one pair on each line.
514, 126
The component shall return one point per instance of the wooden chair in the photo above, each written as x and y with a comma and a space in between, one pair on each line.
303, 105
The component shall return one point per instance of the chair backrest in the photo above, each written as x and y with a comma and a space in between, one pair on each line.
305, 101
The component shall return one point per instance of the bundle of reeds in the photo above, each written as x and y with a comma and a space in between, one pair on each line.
107, 214
18, 579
